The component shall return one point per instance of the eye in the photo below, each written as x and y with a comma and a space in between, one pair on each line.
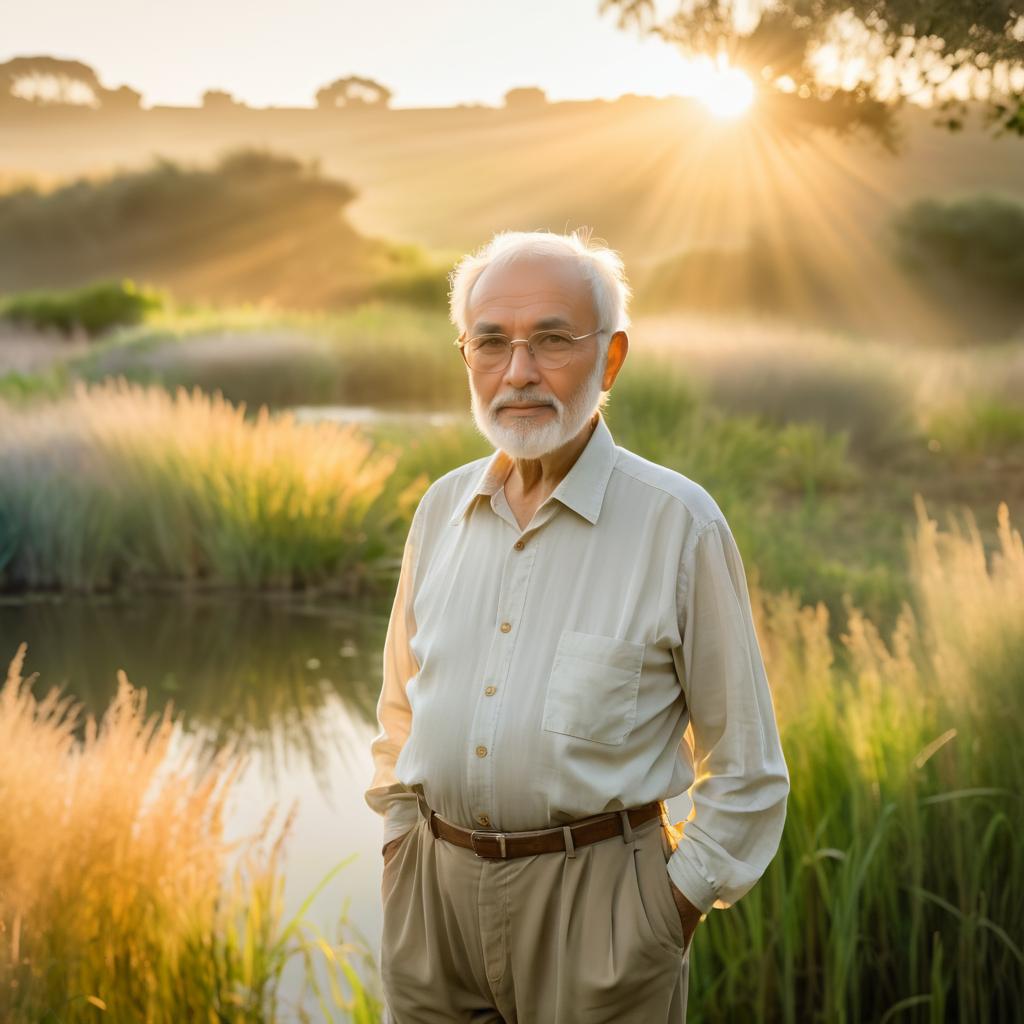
489, 342
554, 342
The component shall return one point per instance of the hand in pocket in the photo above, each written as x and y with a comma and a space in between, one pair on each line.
390, 847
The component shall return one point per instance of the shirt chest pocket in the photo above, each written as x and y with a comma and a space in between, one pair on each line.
592, 690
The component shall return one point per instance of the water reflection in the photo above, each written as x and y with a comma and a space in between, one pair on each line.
294, 683
256, 670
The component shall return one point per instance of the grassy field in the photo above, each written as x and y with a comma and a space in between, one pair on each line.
872, 491
814, 444
897, 892
120, 484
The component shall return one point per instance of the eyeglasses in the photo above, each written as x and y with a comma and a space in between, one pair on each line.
491, 353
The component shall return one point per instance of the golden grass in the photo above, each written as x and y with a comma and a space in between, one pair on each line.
119, 481
117, 890
110, 854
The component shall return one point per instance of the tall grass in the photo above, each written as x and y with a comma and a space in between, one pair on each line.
118, 482
118, 898
376, 354
898, 890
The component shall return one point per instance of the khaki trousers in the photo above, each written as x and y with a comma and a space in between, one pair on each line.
552, 938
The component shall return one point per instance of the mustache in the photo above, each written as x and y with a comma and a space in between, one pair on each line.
500, 403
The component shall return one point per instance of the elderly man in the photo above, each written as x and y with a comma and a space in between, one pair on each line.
565, 609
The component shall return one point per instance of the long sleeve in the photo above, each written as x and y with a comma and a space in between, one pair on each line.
386, 795
741, 779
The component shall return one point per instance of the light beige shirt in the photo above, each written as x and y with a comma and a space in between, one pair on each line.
532, 677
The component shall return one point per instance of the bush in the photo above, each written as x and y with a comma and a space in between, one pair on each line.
969, 254
94, 308
426, 287
256, 226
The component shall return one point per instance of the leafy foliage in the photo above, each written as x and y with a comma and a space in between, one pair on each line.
882, 52
94, 308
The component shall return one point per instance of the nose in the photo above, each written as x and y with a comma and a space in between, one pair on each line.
522, 368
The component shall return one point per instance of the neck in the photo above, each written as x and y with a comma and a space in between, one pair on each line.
541, 475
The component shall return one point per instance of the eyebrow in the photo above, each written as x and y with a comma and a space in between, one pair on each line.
486, 327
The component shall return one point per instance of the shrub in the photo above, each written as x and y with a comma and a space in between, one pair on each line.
969, 255
94, 308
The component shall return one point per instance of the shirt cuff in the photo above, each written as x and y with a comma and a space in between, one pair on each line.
689, 881
402, 814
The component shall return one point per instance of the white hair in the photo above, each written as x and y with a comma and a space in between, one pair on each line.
601, 266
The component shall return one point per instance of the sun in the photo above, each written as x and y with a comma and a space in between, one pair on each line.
727, 92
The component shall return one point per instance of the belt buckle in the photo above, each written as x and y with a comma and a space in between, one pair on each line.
500, 836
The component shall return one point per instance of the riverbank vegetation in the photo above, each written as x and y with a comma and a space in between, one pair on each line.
186, 450
121, 897
897, 891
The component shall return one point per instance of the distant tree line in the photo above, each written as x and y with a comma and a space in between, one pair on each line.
28, 83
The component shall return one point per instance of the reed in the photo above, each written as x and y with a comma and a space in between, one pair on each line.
898, 889
120, 897
123, 483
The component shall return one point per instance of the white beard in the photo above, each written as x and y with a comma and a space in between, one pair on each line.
520, 437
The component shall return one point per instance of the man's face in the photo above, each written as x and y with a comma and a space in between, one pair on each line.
524, 410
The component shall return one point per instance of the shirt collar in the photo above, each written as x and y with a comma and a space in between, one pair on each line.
581, 489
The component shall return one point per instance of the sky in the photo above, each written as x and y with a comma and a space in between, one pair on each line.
438, 53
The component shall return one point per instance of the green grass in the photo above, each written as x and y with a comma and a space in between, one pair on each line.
377, 354
898, 889
980, 426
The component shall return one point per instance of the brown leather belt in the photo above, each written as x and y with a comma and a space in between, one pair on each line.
503, 845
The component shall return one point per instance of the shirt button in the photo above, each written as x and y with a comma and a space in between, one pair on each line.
481, 751
506, 626
490, 691
519, 545
483, 819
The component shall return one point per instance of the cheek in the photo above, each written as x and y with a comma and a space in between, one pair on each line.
485, 388
565, 385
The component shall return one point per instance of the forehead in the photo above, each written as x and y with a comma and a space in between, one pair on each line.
531, 288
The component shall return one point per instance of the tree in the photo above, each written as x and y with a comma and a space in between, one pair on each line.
51, 81
525, 98
219, 99
853, 62
353, 91
124, 98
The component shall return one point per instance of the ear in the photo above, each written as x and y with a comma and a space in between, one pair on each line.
618, 346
